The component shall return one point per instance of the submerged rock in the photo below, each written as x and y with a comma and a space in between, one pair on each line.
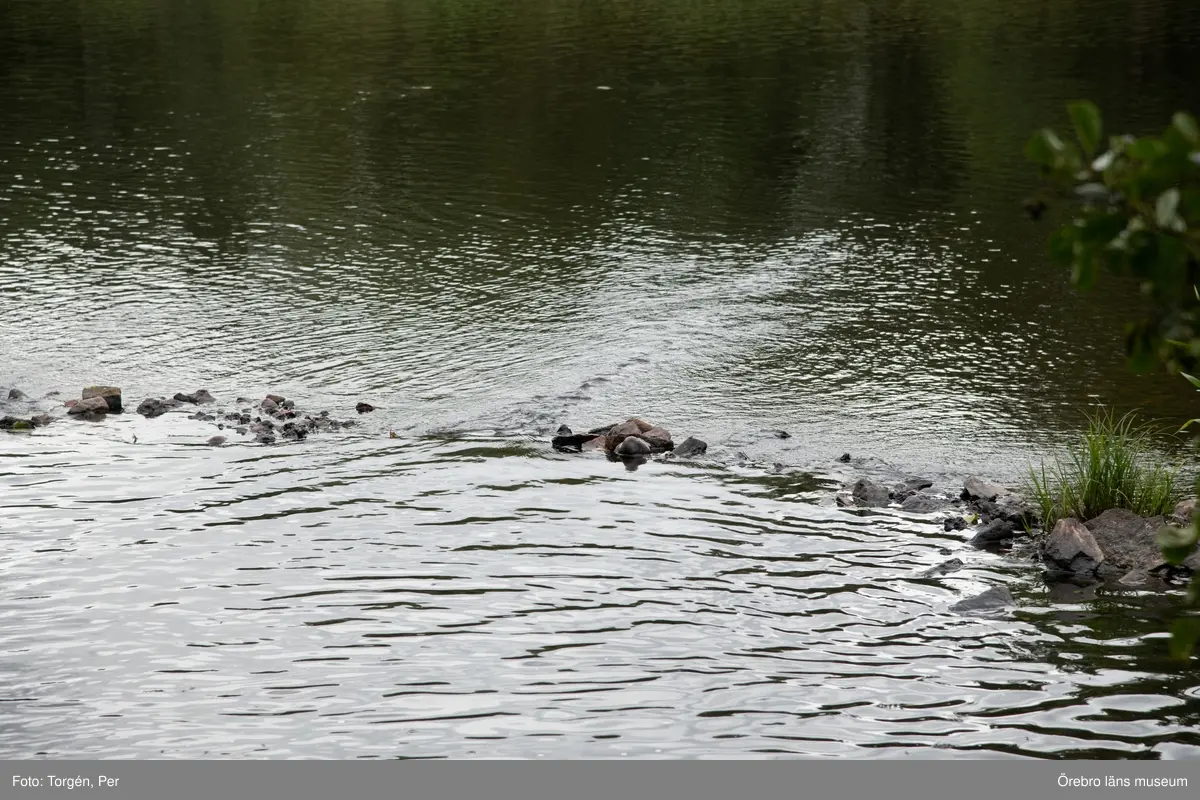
1070, 547
658, 438
17, 394
111, 395
945, 568
217, 441
364, 408
954, 524
844, 458
923, 503
909, 487
16, 424
691, 447
198, 397
994, 599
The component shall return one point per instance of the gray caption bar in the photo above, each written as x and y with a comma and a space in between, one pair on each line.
599, 780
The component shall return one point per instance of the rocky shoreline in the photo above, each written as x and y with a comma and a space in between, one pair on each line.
1117, 549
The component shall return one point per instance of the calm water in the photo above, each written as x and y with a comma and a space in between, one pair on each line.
491, 218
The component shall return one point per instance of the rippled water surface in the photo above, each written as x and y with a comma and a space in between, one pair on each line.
492, 218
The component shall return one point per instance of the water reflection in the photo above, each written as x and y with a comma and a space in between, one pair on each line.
491, 222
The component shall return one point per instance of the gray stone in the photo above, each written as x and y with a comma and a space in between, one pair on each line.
909, 487
1071, 547
994, 599
89, 405
17, 394
993, 534
976, 489
869, 494
923, 503
111, 395
1130, 542
217, 441
633, 446
954, 524
198, 397
691, 447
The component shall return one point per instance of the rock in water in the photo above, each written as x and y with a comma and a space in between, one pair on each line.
90, 405
364, 408
976, 489
994, 599
658, 438
1071, 547
844, 458
619, 432
111, 395
633, 446
945, 568
154, 407
217, 441
923, 504
16, 394
993, 534
198, 397
869, 494
691, 447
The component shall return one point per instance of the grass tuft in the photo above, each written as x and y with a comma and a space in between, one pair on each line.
1113, 465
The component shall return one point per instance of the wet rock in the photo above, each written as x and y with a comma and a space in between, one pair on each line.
909, 487
601, 431
994, 599
691, 447
364, 408
658, 438
563, 430
155, 407
269, 405
869, 494
1183, 513
217, 441
17, 394
1130, 542
595, 443
976, 489
632, 446
954, 524
198, 397
15, 424
90, 405
265, 438
619, 432
1071, 547
844, 458
945, 568
993, 534
41, 420
111, 395
570, 442
642, 425
1011, 508
277, 399
923, 503
241, 401
781, 434
241, 431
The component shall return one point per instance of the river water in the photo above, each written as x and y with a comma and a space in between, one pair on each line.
492, 218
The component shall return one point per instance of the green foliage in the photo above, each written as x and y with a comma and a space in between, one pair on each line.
1139, 218
1113, 465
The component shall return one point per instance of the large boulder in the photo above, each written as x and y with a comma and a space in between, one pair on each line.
1129, 542
111, 395
1071, 547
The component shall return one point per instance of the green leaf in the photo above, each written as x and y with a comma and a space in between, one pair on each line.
1166, 210
1184, 635
1193, 380
1176, 543
1045, 148
1085, 116
1185, 125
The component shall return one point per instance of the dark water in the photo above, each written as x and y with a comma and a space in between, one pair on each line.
490, 218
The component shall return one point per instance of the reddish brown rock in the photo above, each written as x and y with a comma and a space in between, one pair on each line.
619, 432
